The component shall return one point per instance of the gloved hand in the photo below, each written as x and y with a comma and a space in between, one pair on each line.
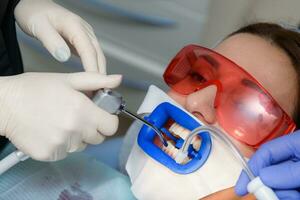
56, 26
277, 164
46, 115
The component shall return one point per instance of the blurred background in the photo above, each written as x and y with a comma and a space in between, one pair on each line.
139, 37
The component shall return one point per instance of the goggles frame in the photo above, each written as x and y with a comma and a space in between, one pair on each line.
216, 67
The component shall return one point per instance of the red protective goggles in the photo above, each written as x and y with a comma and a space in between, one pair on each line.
244, 108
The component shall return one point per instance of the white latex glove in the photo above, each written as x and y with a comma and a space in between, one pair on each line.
56, 26
46, 115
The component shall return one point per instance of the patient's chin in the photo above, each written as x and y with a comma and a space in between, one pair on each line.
227, 194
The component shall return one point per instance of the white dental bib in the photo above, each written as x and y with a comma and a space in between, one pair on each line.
154, 181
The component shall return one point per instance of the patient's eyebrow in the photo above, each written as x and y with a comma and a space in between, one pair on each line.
213, 62
251, 84
194, 56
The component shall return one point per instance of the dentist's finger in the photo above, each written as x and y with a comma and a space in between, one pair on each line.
288, 194
52, 41
109, 126
105, 124
81, 147
100, 55
78, 37
91, 81
289, 169
92, 136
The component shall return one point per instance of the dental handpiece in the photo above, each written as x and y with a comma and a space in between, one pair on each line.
113, 103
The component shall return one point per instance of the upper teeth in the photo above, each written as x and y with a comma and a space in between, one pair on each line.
170, 149
179, 131
182, 132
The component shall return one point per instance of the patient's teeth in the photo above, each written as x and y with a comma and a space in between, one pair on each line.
181, 132
173, 127
178, 130
172, 152
196, 143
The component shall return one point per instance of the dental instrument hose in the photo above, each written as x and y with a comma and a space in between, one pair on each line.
256, 186
106, 99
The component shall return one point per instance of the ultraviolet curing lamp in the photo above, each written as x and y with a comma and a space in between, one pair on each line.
189, 158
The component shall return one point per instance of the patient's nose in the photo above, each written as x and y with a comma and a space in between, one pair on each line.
201, 104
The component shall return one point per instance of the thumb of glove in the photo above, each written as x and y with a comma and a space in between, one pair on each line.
285, 175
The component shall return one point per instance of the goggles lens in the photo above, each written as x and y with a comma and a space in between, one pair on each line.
244, 108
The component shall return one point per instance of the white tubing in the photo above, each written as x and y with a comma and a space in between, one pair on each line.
216, 133
260, 190
11, 160
256, 186
180, 157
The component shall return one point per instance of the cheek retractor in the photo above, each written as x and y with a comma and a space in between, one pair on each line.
178, 132
175, 124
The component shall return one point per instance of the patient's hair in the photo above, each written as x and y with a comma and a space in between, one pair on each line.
287, 40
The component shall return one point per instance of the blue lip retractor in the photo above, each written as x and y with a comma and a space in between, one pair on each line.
159, 117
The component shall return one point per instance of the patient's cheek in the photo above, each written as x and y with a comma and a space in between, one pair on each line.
244, 149
179, 98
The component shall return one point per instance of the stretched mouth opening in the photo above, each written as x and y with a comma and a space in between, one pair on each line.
176, 126
175, 135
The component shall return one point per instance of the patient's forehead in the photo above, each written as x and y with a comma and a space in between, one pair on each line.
265, 62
